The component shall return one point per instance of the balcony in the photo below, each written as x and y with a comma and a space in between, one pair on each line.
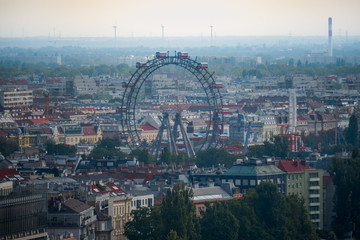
314, 179
315, 195
316, 187
89, 220
314, 212
313, 204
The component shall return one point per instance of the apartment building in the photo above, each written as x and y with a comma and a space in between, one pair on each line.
17, 98
119, 210
305, 181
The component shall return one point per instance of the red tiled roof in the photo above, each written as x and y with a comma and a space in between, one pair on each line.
95, 189
315, 104
89, 130
39, 120
146, 176
147, 127
111, 188
114, 187
301, 118
53, 80
88, 109
293, 166
10, 175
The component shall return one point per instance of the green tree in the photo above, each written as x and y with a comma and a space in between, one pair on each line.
167, 157
268, 204
326, 234
110, 143
59, 149
143, 225
298, 224
173, 236
142, 155
215, 156
8, 146
107, 148
219, 223
345, 175
280, 216
352, 134
279, 147
177, 213
56, 172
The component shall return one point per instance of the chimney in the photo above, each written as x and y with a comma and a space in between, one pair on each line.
210, 183
330, 51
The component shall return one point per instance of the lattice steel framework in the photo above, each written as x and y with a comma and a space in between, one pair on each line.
206, 79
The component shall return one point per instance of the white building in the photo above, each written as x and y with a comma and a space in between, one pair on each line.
84, 85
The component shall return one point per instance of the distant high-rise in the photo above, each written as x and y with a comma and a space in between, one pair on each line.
330, 51
292, 111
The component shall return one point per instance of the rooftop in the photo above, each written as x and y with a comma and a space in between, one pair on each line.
293, 166
76, 205
252, 170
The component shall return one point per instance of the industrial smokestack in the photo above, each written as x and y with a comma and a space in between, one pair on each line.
330, 38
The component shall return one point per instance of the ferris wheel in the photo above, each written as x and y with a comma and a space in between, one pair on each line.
130, 128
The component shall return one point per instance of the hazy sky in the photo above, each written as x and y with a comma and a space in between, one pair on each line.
95, 18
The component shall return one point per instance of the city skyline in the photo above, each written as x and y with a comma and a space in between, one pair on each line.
143, 18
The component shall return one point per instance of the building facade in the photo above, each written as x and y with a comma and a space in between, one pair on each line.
305, 181
119, 210
16, 99
23, 216
71, 216
249, 175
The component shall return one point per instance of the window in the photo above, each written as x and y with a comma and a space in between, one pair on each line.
237, 182
103, 226
252, 182
245, 182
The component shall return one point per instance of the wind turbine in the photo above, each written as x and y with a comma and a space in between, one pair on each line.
162, 31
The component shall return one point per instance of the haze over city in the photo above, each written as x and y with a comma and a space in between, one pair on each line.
91, 18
